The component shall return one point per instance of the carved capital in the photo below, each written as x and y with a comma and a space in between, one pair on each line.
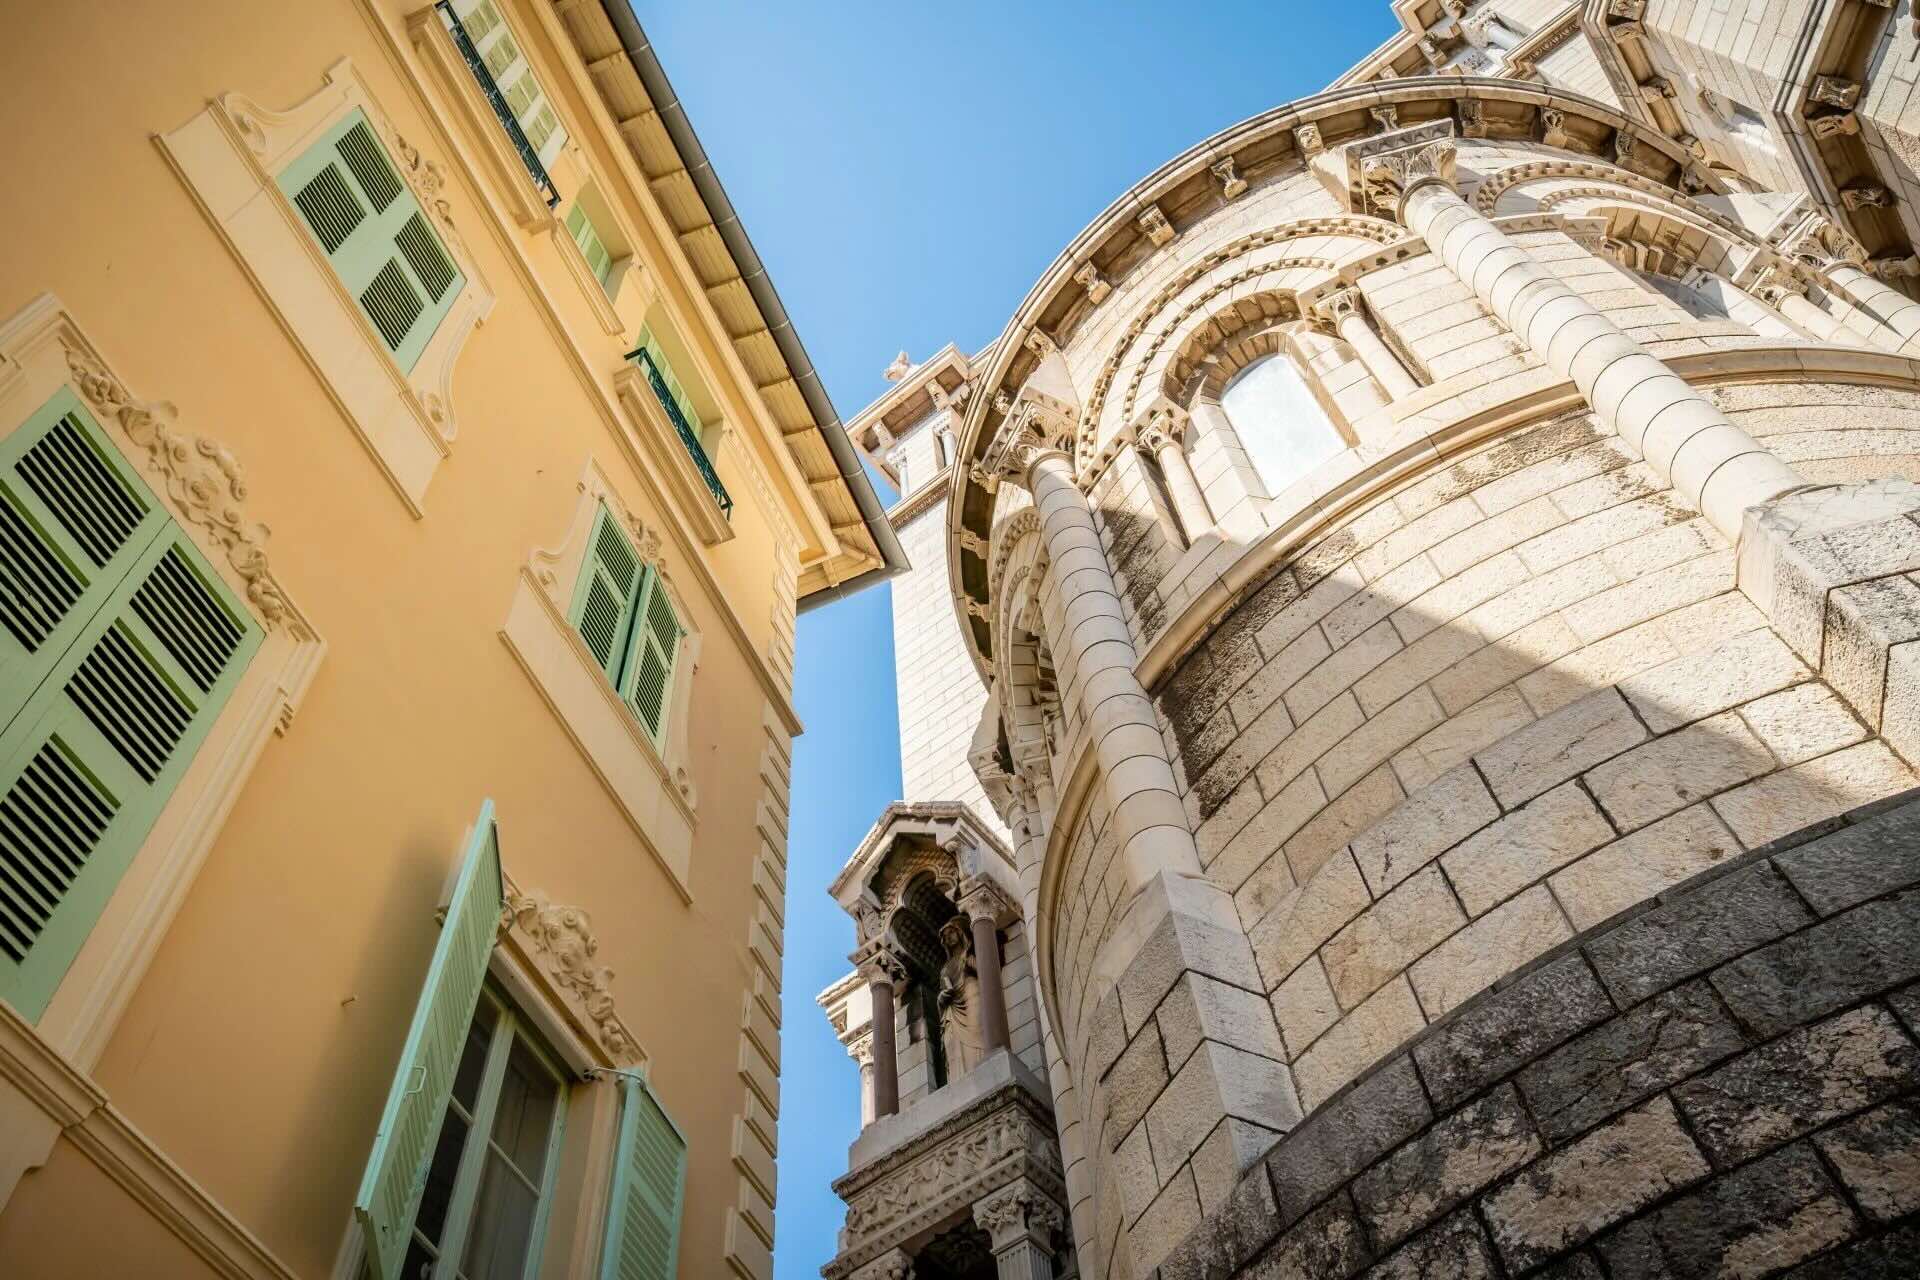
861, 1051
1473, 117
1018, 1213
1834, 124
981, 898
1836, 91
1154, 223
1553, 127
1388, 179
1307, 138
1231, 183
894, 1264
1387, 117
1866, 195
1775, 283
879, 965
1337, 306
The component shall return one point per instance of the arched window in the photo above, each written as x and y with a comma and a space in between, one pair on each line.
1281, 426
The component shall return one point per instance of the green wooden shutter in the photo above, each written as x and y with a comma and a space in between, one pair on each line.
396, 1175
120, 645
648, 682
608, 591
587, 236
649, 1183
501, 53
375, 234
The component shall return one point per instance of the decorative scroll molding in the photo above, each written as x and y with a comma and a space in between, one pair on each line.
199, 474
563, 938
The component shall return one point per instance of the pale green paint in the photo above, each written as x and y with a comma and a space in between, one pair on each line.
649, 1189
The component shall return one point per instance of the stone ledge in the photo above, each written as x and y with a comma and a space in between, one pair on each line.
1798, 960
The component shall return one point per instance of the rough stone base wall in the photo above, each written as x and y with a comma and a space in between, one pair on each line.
1722, 1081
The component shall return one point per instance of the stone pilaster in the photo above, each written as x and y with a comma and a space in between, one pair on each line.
1343, 310
1161, 437
1022, 1223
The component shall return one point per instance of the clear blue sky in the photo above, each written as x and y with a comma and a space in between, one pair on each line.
907, 171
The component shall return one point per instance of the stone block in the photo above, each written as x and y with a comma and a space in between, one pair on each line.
1578, 1192
1201, 1008
1906, 1007
1858, 862
1327, 1244
1887, 1257
1173, 1214
1792, 799
1878, 1157
1261, 891
1359, 807
1510, 1027
1307, 917
1445, 1166
1346, 665
1304, 1006
1262, 836
1345, 1136
1245, 1223
1135, 1179
1752, 1222
1669, 773
1457, 1248
1557, 747
1698, 685
1798, 1082
1138, 1076
1385, 939
1805, 721
1635, 602
1848, 957
1495, 945
1386, 731
1453, 741
1636, 867
1547, 833
1432, 819
1217, 1081
1863, 622
1699, 929
1637, 1054
1308, 743
1385, 1022
1581, 670
1511, 658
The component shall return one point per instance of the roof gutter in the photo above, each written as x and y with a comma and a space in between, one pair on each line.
754, 273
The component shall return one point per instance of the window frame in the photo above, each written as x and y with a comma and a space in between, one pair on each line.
510, 1025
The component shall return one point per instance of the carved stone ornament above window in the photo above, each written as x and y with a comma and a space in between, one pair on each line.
229, 156
562, 943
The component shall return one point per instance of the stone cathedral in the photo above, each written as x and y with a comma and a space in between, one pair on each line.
1410, 687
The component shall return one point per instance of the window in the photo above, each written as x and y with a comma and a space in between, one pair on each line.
118, 645
507, 80
1283, 429
491, 1174
462, 1170
677, 403
592, 247
375, 234
621, 610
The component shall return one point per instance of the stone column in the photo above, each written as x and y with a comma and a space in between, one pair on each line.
1891, 319
1021, 1222
985, 907
1712, 464
861, 1051
1343, 310
1161, 438
1095, 643
881, 971
1788, 295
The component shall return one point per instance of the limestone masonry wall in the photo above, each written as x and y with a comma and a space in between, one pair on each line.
1722, 1080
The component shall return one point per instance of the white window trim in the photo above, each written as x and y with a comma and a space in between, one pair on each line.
652, 786
43, 349
228, 156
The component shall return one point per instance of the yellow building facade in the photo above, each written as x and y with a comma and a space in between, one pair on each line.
457, 807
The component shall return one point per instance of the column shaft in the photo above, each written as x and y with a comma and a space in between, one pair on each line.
1712, 464
993, 995
1899, 315
1376, 355
886, 1066
1024, 1260
1189, 504
1094, 641
1809, 315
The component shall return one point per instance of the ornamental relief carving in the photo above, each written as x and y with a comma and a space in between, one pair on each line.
563, 939
907, 1198
199, 474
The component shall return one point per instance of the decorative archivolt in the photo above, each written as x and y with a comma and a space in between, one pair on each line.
1487, 195
1223, 359
1362, 229
1018, 527
1204, 322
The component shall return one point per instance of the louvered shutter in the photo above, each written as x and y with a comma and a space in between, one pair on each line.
609, 588
396, 1175
649, 1180
511, 72
375, 234
648, 682
120, 645
581, 227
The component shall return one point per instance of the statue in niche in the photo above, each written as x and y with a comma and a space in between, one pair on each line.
960, 1029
